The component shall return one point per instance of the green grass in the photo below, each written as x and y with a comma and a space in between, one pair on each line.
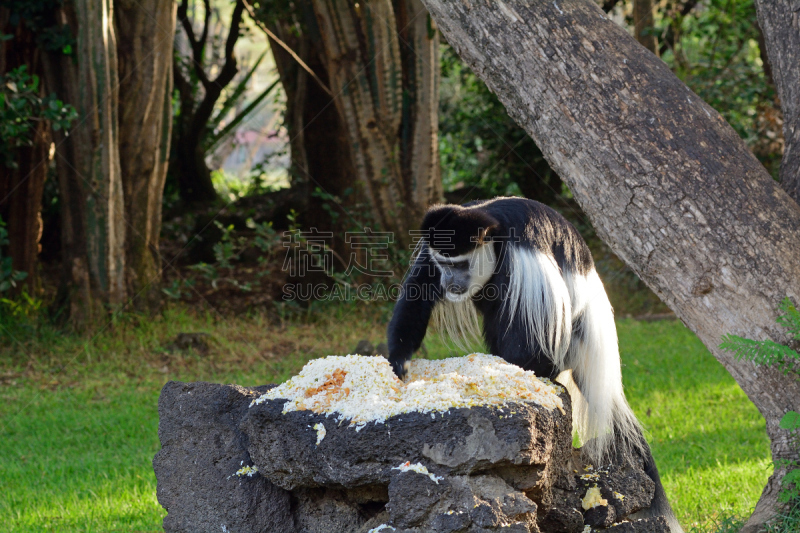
78, 420
708, 439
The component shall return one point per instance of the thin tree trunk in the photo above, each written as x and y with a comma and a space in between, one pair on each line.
643, 11
145, 34
665, 180
321, 155
780, 24
295, 82
87, 163
21, 188
21, 192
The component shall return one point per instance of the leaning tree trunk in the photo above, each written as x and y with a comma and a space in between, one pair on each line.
145, 33
362, 56
665, 180
87, 163
780, 23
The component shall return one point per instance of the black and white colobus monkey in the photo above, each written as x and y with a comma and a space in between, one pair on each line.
530, 274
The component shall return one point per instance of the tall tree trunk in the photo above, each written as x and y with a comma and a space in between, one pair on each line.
643, 12
665, 180
419, 135
294, 80
780, 24
362, 56
87, 162
319, 146
145, 34
21, 188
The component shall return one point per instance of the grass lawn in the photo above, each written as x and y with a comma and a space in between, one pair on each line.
78, 419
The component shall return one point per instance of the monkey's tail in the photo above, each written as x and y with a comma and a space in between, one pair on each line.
605, 422
660, 505
601, 413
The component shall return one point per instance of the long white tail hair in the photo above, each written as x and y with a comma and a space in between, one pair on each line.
571, 317
572, 320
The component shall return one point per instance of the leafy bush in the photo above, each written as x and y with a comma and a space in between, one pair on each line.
8, 276
21, 107
776, 355
261, 237
767, 352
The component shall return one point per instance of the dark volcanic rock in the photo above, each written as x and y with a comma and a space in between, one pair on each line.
563, 513
599, 516
412, 496
509, 469
626, 487
457, 443
657, 524
201, 449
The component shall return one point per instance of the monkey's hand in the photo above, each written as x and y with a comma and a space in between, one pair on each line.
400, 365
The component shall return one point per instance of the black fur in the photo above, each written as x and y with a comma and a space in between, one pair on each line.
507, 222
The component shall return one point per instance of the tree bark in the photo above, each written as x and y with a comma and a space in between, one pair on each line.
87, 163
21, 188
145, 34
21, 191
665, 180
780, 24
419, 134
320, 151
362, 57
643, 11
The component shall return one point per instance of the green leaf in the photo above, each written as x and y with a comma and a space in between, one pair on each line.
790, 421
790, 319
228, 129
766, 352
236, 95
792, 477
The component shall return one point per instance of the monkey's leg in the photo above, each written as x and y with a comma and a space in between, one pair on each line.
412, 312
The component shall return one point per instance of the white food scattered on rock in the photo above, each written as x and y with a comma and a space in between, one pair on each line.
419, 469
321, 432
364, 389
380, 528
248, 471
619, 496
593, 499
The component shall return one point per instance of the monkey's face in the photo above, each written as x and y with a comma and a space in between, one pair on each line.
463, 276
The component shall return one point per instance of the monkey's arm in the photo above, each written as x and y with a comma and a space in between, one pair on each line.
421, 290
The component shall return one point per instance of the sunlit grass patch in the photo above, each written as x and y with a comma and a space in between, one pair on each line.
79, 460
78, 419
708, 439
